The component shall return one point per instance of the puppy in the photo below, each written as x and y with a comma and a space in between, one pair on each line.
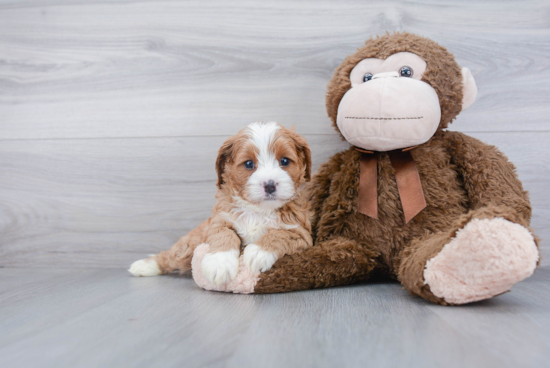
260, 209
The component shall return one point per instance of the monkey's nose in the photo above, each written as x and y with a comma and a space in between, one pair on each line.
270, 187
386, 75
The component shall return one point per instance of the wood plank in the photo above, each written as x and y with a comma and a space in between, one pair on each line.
107, 318
82, 69
107, 202
92, 318
520, 312
381, 325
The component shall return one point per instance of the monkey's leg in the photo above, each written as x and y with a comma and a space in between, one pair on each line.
484, 255
337, 261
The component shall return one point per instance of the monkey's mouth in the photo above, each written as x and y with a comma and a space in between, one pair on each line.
380, 118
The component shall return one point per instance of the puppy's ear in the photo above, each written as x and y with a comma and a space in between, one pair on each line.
305, 153
225, 153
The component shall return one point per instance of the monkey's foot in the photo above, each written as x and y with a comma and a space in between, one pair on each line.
243, 283
486, 258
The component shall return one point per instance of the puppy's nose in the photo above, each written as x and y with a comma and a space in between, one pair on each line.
270, 187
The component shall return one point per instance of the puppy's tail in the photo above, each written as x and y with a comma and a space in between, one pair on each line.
177, 258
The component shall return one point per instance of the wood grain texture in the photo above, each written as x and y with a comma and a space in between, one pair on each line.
111, 113
177, 68
106, 318
108, 202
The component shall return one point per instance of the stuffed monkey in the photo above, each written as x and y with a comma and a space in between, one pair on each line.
441, 212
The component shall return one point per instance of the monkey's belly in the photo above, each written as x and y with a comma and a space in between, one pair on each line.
446, 200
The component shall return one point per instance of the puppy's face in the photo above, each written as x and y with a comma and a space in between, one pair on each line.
264, 164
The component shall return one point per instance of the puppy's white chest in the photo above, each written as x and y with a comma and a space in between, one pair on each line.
251, 226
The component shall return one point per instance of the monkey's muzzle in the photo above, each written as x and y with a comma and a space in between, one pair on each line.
389, 112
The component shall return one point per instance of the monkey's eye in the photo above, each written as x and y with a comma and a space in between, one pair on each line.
285, 161
406, 71
367, 77
249, 165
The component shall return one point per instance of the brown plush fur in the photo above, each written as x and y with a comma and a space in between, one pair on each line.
462, 179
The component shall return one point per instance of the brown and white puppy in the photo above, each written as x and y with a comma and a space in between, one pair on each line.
260, 208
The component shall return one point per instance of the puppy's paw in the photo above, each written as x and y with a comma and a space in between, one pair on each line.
243, 283
145, 267
257, 259
220, 267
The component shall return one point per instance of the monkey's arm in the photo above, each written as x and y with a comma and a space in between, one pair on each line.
337, 261
489, 178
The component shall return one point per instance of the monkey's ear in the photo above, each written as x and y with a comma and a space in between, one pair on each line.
470, 89
226, 151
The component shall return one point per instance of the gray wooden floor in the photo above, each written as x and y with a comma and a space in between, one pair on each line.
105, 318
111, 115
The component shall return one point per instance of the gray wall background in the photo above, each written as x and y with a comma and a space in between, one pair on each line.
111, 113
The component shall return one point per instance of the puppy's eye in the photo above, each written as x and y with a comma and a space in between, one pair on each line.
285, 161
367, 77
249, 165
406, 71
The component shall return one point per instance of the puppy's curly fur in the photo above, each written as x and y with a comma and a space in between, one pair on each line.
260, 209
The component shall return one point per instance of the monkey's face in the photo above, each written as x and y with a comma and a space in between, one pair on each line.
389, 106
397, 91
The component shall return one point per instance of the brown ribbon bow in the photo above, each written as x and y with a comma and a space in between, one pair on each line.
406, 175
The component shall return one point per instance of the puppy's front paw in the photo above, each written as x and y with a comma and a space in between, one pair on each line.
144, 267
257, 259
220, 267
